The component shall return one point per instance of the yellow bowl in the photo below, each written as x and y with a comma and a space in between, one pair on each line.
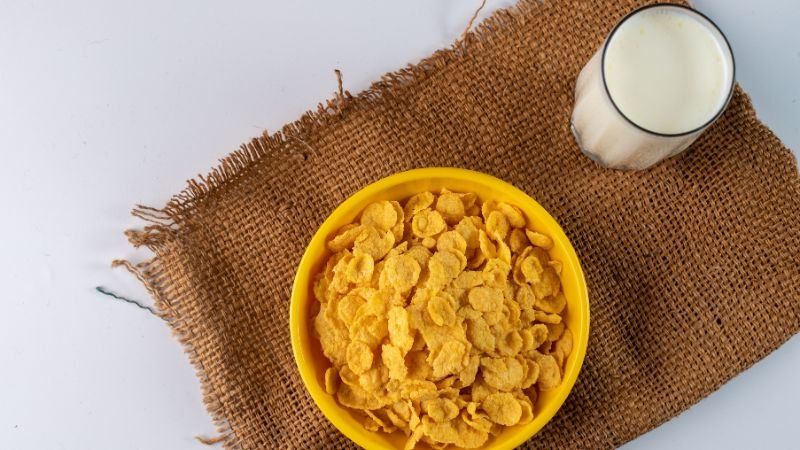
308, 354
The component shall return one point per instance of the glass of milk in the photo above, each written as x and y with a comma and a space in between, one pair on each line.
664, 74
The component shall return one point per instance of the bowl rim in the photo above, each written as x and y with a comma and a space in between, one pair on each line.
329, 225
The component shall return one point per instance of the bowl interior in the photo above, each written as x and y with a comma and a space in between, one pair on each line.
307, 351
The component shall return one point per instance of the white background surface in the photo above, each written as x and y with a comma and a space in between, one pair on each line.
106, 105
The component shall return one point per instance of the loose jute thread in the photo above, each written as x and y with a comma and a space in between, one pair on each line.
472, 20
136, 303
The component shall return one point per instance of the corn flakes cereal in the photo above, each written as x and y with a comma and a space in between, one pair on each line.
451, 207
451, 241
553, 304
485, 299
440, 409
441, 309
331, 380
394, 360
502, 408
513, 214
497, 225
400, 273
481, 336
517, 240
359, 357
468, 228
526, 407
448, 359
381, 215
359, 269
488, 248
554, 331
539, 239
442, 317
345, 237
543, 317
510, 343
487, 207
495, 273
549, 283
549, 373
427, 223
503, 374
374, 242
417, 203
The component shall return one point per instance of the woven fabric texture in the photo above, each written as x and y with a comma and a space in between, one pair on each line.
692, 266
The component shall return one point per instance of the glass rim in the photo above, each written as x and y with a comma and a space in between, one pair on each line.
724, 104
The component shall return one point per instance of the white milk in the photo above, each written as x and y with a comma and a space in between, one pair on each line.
669, 71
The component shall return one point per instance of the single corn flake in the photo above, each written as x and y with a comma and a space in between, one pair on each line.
503, 374
468, 198
345, 237
531, 373
517, 240
427, 223
444, 267
539, 239
359, 357
401, 273
469, 436
480, 335
440, 409
449, 359
554, 331
417, 203
502, 408
544, 317
468, 279
331, 380
420, 254
369, 329
527, 410
510, 343
450, 206
374, 242
380, 215
358, 398
549, 373
451, 241
531, 269
525, 297
359, 269
348, 306
553, 304
394, 360
549, 283
399, 330
485, 299
333, 337
503, 252
487, 207
468, 374
495, 273
441, 309
486, 245
497, 225
512, 214
468, 229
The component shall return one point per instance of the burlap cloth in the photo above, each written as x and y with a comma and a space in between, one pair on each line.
692, 266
